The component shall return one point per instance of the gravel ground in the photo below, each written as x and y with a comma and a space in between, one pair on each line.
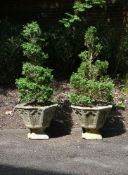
66, 155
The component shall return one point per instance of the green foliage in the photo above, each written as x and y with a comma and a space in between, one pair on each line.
32, 47
121, 62
87, 4
81, 99
89, 83
90, 70
112, 44
32, 32
63, 47
35, 86
69, 20
10, 52
37, 74
79, 7
126, 84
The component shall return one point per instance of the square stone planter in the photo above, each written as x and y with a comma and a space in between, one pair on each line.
92, 119
36, 118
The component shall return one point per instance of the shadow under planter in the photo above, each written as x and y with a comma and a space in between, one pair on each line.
92, 119
62, 123
37, 119
114, 125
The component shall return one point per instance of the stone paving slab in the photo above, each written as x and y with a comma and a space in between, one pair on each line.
66, 155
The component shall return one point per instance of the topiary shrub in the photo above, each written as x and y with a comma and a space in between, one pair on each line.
35, 85
90, 84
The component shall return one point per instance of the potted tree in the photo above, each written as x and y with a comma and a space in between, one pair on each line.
92, 93
35, 87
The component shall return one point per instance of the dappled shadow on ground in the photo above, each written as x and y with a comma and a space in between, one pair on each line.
62, 122
11, 170
114, 125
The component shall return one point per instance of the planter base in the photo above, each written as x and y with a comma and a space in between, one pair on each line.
92, 134
34, 136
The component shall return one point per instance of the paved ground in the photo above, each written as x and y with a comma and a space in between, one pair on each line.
62, 155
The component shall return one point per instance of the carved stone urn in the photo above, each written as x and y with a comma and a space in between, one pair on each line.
92, 119
37, 119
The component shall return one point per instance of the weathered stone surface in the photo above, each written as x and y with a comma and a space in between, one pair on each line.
36, 117
34, 136
92, 135
91, 119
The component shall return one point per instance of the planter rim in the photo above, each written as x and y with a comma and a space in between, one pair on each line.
25, 106
94, 108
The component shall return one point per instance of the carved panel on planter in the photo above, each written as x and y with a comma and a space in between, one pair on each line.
36, 117
91, 117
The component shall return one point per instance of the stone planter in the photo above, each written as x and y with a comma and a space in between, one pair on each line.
36, 118
92, 119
